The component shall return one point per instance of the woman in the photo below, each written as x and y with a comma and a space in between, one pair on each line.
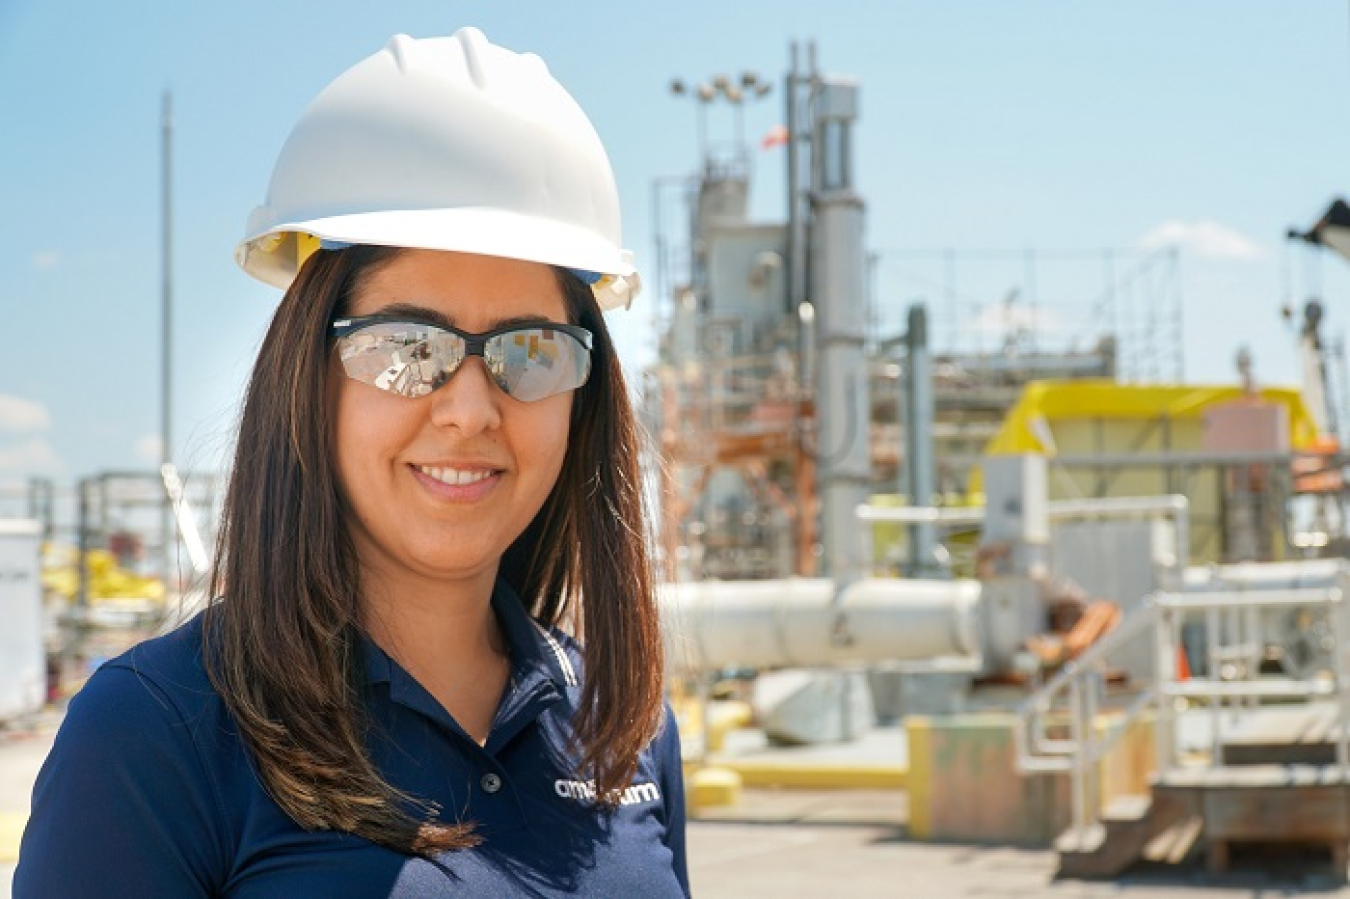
436, 468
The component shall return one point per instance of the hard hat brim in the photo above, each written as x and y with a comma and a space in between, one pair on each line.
272, 254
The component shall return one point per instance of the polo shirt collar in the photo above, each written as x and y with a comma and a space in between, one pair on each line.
531, 643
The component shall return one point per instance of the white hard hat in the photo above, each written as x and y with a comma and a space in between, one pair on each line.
449, 143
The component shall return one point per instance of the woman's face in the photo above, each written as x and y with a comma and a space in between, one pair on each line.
439, 486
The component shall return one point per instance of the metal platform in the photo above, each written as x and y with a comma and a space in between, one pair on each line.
1290, 735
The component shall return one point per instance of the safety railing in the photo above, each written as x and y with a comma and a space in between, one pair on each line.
1169, 507
1057, 728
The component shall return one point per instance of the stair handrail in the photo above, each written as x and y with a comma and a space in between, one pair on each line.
1032, 742
1036, 752
1160, 612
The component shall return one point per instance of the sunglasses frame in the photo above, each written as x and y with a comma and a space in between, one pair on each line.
475, 344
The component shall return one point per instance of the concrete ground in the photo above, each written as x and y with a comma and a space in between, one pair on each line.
791, 843
798, 843
22, 750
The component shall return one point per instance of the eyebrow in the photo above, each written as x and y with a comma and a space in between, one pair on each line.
436, 317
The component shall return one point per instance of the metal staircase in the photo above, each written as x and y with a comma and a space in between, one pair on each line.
1075, 721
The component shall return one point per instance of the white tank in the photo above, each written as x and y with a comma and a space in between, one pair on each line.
23, 657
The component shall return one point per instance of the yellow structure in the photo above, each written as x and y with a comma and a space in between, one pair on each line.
1155, 440
1050, 415
712, 787
11, 830
964, 785
60, 576
798, 773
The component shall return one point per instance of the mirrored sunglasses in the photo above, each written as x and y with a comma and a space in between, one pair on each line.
413, 358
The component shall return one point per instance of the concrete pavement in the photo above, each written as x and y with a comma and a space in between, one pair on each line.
23, 747
797, 844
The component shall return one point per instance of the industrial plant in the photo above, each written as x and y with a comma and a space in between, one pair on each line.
1105, 604
1098, 608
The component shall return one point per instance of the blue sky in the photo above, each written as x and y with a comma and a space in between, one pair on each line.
1040, 124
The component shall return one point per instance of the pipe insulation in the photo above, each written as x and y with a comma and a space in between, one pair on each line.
798, 622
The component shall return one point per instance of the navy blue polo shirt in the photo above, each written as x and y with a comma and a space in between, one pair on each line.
149, 792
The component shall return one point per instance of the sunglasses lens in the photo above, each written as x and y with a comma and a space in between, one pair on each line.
534, 363
401, 357
413, 359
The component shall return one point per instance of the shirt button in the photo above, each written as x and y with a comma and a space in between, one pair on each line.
491, 783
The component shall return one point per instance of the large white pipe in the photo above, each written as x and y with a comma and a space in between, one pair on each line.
800, 622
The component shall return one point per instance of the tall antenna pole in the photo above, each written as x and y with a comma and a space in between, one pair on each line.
166, 324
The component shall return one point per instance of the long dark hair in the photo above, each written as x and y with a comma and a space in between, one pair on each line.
281, 636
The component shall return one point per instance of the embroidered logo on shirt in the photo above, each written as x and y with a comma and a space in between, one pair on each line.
585, 790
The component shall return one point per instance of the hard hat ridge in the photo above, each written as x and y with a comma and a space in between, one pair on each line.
471, 39
445, 143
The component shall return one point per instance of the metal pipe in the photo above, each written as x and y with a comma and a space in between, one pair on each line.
1235, 598
1212, 673
1070, 508
166, 341
187, 525
1340, 623
790, 623
82, 545
1175, 506
1169, 662
796, 269
1263, 575
1181, 460
1119, 505
1259, 689
1252, 646
843, 410
921, 514
1091, 753
1176, 460
1078, 786
918, 422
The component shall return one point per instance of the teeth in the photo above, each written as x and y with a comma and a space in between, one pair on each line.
455, 477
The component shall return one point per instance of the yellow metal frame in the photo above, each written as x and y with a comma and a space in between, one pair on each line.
1045, 401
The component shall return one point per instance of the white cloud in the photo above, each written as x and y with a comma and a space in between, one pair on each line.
1204, 238
21, 416
45, 259
33, 456
147, 448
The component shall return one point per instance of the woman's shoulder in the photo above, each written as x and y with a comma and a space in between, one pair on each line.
151, 716
160, 681
140, 778
172, 661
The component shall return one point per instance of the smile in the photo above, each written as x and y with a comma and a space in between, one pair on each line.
455, 477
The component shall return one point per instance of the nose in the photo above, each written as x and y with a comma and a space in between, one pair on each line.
470, 402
